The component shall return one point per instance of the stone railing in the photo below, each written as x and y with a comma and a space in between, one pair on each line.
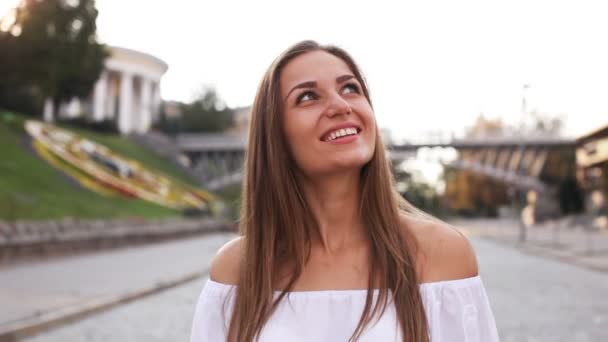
35, 239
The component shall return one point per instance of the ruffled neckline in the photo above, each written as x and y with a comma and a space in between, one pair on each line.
218, 287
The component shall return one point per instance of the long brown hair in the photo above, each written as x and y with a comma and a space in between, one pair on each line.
277, 222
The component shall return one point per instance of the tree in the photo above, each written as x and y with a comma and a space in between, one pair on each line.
53, 49
208, 113
412, 186
15, 93
537, 124
546, 124
486, 127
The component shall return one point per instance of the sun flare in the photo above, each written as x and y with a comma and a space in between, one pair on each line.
7, 15
7, 5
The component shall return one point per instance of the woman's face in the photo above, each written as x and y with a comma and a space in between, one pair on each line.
328, 122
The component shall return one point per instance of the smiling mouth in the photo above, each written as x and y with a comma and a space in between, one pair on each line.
341, 134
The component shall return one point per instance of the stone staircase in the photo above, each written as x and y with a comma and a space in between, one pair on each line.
165, 147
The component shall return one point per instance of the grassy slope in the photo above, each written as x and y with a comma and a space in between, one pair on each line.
31, 188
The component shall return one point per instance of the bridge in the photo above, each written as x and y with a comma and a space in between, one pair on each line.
523, 162
217, 158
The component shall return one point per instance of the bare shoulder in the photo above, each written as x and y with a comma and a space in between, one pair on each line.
444, 253
225, 266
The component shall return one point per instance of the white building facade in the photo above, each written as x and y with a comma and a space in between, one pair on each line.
127, 91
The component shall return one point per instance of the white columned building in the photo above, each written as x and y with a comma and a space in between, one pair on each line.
127, 92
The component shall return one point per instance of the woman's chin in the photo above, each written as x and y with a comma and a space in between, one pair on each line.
320, 165
347, 164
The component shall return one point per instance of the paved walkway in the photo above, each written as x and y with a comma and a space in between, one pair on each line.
534, 299
562, 240
38, 294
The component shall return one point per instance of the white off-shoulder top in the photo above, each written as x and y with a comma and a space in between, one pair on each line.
456, 310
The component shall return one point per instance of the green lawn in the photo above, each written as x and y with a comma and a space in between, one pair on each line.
231, 196
32, 189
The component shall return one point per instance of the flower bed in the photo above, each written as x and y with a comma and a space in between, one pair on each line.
99, 169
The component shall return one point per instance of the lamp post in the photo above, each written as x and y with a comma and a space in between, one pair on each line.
527, 212
524, 108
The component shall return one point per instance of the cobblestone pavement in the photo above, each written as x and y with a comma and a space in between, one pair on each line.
563, 240
29, 289
541, 299
533, 298
166, 316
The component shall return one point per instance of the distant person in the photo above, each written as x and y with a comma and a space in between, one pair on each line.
328, 251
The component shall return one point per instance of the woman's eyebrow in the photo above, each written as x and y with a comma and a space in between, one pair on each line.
313, 84
307, 84
344, 78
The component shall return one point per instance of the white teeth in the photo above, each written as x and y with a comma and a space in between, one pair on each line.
340, 133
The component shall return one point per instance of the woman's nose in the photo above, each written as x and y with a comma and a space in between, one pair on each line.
336, 104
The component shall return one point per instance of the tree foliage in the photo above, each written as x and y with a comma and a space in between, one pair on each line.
51, 49
415, 190
207, 113
537, 124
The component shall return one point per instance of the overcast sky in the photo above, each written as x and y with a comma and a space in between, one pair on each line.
431, 66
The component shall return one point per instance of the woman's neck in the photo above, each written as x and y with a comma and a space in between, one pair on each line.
334, 201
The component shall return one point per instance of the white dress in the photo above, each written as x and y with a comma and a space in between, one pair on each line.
457, 310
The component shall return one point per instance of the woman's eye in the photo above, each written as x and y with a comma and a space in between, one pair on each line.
306, 96
350, 88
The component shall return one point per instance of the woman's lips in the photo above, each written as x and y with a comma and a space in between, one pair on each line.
344, 140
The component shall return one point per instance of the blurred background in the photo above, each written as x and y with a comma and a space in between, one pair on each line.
123, 128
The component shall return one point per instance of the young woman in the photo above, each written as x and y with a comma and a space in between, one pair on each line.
328, 250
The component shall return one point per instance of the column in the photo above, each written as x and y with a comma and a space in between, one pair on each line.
72, 109
126, 98
135, 116
145, 107
156, 100
48, 109
100, 97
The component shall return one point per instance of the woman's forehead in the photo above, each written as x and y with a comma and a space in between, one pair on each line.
312, 66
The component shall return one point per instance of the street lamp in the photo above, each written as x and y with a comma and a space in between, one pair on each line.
524, 108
